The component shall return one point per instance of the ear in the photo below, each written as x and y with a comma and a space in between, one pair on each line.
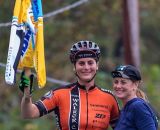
74, 69
137, 83
97, 66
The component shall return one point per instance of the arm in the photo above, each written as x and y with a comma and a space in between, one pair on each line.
114, 113
143, 117
28, 109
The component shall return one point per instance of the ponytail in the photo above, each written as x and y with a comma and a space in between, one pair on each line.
141, 94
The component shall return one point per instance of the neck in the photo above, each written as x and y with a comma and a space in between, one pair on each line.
124, 101
88, 85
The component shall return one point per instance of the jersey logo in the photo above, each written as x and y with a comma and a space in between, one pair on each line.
101, 116
74, 112
48, 95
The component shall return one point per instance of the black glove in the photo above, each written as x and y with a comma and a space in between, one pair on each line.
26, 82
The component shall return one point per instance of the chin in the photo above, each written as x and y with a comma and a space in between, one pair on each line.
85, 80
119, 96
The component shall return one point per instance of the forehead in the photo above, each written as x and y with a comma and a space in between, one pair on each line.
86, 60
121, 79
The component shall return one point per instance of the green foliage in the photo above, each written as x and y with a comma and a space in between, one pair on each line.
104, 80
152, 83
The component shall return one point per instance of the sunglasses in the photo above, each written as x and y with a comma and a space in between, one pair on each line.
119, 74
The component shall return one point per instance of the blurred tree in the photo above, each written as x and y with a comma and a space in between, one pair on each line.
131, 32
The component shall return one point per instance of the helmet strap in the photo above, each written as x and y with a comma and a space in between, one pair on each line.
92, 78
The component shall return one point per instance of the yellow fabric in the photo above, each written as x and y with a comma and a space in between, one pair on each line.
39, 55
17, 8
23, 11
27, 61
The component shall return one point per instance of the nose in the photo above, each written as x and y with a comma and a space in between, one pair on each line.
117, 85
86, 66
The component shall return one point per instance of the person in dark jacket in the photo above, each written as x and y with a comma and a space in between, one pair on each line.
136, 113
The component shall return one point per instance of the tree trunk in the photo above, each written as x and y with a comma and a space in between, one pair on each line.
131, 32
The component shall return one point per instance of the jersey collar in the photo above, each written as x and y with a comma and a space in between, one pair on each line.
83, 87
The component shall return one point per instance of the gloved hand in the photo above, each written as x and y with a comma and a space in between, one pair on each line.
26, 82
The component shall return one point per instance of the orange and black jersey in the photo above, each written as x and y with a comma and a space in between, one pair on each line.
78, 109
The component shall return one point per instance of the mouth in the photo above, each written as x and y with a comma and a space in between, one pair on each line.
118, 91
86, 73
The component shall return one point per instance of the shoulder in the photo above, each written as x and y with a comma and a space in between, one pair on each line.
58, 90
143, 112
107, 92
141, 107
138, 103
64, 87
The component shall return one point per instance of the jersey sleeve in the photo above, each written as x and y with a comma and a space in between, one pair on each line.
143, 117
114, 112
47, 103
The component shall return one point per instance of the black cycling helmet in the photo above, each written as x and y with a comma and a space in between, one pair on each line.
84, 49
126, 71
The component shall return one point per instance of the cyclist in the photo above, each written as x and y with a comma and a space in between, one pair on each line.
78, 106
136, 114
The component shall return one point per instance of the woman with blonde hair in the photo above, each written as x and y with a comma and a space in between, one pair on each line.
136, 113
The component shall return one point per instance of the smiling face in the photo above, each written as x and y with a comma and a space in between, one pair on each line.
124, 89
86, 69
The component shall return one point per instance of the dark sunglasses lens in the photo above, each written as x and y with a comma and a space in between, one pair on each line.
116, 74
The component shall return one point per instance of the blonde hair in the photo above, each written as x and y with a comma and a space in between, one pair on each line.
141, 94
